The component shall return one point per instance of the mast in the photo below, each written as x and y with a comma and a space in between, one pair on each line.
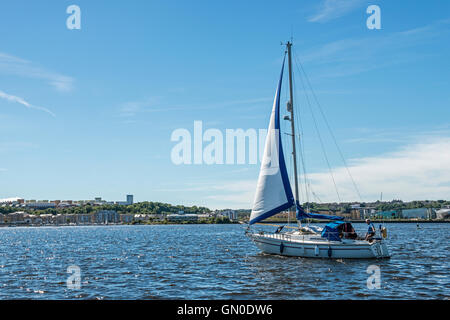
290, 108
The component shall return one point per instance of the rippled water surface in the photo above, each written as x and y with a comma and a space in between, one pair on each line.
210, 262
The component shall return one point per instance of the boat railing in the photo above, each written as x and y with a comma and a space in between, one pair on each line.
281, 236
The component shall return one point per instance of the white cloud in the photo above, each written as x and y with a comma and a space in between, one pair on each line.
21, 101
416, 172
20, 67
333, 9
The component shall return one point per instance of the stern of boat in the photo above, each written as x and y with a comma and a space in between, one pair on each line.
380, 249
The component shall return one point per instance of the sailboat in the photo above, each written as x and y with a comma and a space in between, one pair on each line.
274, 194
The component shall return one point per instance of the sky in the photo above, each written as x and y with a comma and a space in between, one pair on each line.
90, 112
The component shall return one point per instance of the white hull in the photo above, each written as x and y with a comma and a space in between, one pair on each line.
313, 246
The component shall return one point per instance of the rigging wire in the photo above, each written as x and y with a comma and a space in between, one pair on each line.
318, 134
298, 62
316, 196
301, 140
290, 176
308, 187
301, 145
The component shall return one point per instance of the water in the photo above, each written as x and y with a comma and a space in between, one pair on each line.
210, 262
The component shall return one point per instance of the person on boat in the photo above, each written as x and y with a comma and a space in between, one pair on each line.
370, 232
349, 232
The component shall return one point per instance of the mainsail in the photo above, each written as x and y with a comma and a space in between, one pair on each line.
273, 192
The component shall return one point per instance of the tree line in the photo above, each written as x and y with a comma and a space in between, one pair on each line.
136, 208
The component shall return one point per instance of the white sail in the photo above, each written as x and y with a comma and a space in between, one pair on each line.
273, 191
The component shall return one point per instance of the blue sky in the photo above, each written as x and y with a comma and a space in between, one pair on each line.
90, 112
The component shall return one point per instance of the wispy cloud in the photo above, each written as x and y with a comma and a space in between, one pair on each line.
356, 55
333, 9
12, 65
16, 146
132, 108
157, 104
19, 100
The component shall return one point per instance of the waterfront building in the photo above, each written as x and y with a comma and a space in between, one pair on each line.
106, 216
70, 218
15, 217
18, 217
126, 218
390, 214
35, 219
146, 217
84, 218
140, 217
356, 214
182, 217
58, 219
27, 218
230, 214
46, 218
418, 213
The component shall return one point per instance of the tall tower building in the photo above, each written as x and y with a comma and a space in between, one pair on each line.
129, 199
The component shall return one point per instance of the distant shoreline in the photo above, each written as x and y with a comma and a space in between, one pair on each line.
372, 220
111, 224
209, 223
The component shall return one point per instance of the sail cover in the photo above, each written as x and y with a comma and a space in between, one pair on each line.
273, 192
302, 214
